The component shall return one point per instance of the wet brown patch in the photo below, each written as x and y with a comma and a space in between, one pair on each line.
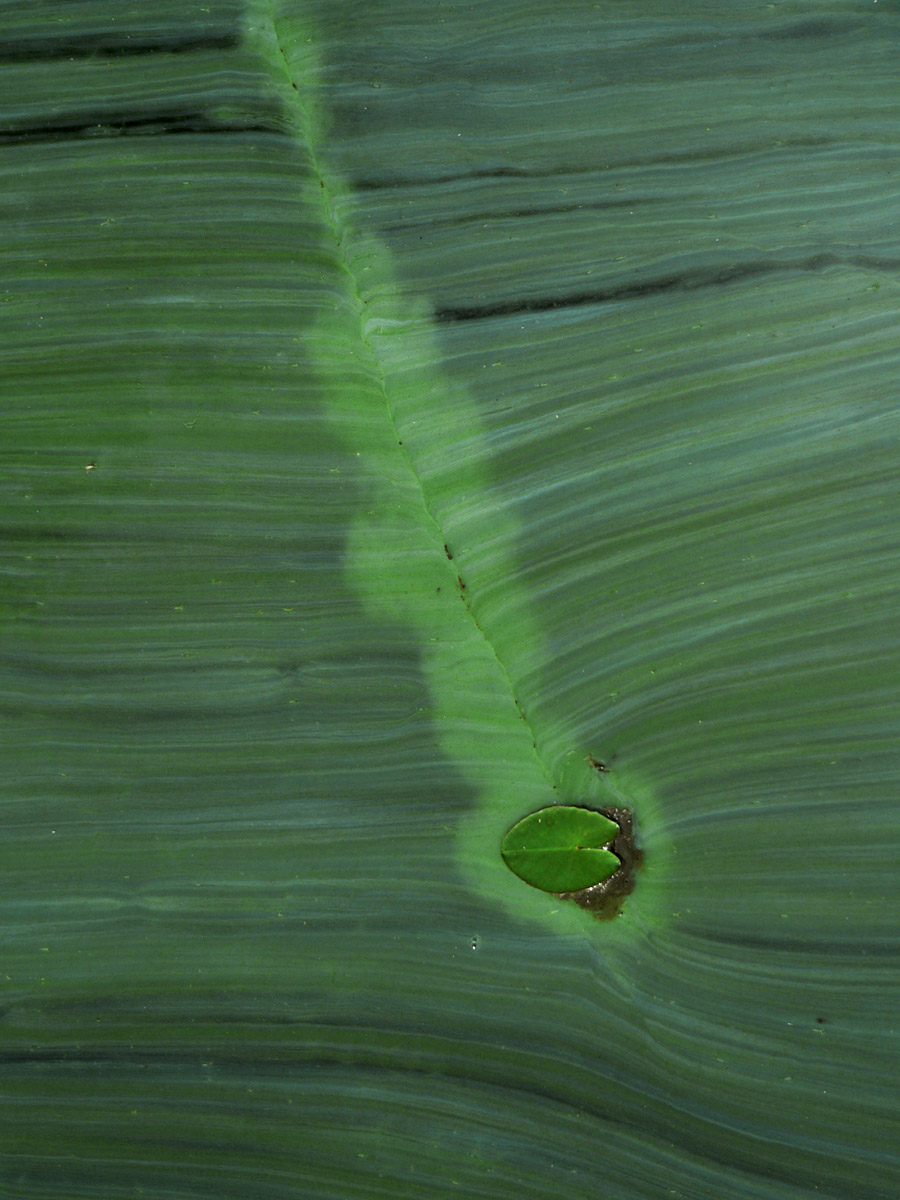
605, 900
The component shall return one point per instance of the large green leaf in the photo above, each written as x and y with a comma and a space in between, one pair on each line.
406, 405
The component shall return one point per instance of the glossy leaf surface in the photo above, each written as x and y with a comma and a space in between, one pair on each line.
561, 849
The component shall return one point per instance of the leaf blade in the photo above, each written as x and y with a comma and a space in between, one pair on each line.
561, 849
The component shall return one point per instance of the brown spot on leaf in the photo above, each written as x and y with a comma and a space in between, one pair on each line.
605, 900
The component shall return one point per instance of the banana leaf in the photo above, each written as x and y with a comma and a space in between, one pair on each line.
417, 415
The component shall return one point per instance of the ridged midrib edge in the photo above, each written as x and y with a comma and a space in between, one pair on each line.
306, 124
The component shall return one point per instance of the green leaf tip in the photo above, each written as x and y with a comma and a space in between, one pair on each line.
562, 848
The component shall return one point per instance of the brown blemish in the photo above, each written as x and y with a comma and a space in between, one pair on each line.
447, 551
605, 900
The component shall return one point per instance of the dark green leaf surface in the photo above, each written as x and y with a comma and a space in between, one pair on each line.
405, 403
561, 848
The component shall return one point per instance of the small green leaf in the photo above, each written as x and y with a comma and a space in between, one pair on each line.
561, 848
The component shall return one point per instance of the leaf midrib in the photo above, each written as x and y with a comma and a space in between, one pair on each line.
305, 124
